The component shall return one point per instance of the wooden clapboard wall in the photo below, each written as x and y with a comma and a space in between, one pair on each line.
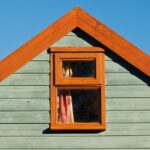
24, 106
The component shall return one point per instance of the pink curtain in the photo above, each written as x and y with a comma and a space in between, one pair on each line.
65, 112
65, 107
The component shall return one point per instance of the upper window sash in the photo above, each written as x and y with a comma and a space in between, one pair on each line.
68, 67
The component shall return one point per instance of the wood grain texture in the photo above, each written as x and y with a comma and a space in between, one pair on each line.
42, 56
114, 42
24, 92
96, 57
77, 49
43, 67
27, 79
142, 104
128, 104
39, 130
112, 66
43, 91
128, 91
75, 142
112, 78
24, 104
128, 116
67, 41
37, 44
72, 148
125, 78
43, 117
87, 23
24, 117
24, 109
35, 67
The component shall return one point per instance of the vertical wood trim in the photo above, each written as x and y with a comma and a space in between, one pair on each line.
52, 93
103, 97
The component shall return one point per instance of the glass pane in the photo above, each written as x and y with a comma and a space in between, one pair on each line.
78, 105
75, 68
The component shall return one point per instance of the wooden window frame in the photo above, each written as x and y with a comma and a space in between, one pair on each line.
56, 83
59, 57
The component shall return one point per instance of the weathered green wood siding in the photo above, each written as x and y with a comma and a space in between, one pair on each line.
24, 107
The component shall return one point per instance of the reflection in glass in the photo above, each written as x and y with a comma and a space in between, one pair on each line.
78, 105
75, 68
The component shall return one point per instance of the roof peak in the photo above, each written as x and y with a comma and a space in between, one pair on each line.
77, 18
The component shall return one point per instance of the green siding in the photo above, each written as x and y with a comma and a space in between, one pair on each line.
113, 129
43, 116
35, 67
25, 100
113, 104
100, 142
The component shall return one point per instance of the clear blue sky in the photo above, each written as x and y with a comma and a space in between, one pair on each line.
20, 20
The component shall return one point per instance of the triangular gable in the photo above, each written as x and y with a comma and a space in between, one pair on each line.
77, 18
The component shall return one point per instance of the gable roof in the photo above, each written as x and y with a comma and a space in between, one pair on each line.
81, 19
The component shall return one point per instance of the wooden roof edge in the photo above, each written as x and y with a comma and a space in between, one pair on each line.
114, 41
99, 26
38, 44
54, 25
77, 18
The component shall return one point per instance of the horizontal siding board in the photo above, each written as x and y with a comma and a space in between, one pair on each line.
43, 104
127, 91
27, 79
128, 104
43, 67
24, 117
33, 130
126, 129
35, 67
24, 92
43, 116
43, 79
75, 142
43, 91
43, 56
71, 41
71, 149
46, 56
24, 104
128, 116
24, 109
123, 79
112, 66
23, 130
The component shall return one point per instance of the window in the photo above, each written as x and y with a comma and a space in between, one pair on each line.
77, 89
77, 68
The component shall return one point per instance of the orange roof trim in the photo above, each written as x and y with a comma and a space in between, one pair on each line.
76, 18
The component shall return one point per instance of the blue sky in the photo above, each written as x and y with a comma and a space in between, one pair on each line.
20, 20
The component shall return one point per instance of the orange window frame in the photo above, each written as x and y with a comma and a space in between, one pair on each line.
56, 82
59, 57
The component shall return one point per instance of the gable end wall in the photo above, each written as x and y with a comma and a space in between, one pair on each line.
24, 107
